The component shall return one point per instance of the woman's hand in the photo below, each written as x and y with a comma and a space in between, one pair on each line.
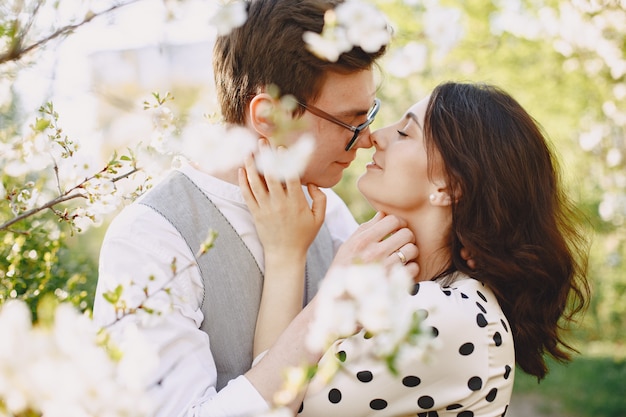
285, 222
384, 238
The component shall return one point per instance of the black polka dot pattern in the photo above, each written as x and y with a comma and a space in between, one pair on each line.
378, 404
506, 329
466, 349
411, 381
426, 402
497, 339
363, 390
507, 372
334, 396
475, 383
364, 376
416, 289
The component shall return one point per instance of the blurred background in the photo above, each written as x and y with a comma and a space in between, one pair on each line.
98, 62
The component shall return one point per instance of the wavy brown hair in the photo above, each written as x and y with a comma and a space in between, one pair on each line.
512, 215
269, 50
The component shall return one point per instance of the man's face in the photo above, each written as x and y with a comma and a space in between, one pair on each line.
348, 98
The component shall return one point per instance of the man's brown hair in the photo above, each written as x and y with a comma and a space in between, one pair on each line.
269, 50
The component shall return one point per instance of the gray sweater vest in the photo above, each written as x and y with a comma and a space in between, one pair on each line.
231, 276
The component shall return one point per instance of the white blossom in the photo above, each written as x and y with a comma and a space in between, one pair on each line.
139, 359
285, 162
60, 369
367, 296
351, 24
277, 412
614, 157
410, 59
513, 18
329, 45
365, 25
613, 208
214, 147
442, 26
229, 16
152, 162
590, 139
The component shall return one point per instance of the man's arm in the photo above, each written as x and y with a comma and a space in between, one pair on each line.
139, 244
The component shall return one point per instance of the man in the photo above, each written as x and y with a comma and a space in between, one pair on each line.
205, 343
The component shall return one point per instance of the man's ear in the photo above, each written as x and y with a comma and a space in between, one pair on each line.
262, 107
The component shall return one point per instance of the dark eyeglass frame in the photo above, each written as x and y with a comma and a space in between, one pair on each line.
371, 115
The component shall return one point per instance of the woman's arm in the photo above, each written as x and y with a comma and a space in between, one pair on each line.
287, 226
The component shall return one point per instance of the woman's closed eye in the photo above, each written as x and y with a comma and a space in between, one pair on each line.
402, 133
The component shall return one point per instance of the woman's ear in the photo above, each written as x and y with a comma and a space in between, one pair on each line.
262, 107
440, 198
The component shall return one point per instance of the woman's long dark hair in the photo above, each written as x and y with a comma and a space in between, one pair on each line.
510, 213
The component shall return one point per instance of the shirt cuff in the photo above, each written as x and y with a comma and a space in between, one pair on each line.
237, 398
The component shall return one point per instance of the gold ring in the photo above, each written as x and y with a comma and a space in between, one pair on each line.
401, 256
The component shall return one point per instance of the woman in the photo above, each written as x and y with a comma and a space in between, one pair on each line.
466, 167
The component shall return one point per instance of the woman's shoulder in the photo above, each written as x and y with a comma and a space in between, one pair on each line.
463, 302
457, 287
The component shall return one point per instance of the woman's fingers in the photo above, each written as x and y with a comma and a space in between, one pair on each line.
403, 255
246, 190
318, 207
254, 183
377, 240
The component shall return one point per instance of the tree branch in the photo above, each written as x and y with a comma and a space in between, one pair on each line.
17, 51
68, 195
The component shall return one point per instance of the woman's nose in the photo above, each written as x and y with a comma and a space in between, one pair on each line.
378, 138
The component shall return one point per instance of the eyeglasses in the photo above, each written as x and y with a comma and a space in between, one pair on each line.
356, 129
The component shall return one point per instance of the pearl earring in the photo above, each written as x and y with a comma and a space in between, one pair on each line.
432, 197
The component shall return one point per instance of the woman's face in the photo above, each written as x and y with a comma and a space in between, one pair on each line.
397, 181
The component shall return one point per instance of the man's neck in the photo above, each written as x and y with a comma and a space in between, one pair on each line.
229, 175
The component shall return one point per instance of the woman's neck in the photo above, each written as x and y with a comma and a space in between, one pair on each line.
431, 233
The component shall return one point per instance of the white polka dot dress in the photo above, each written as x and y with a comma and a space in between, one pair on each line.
469, 374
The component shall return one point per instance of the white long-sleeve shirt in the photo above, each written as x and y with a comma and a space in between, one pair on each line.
140, 243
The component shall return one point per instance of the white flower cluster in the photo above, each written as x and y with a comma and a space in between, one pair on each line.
371, 298
286, 162
441, 31
573, 27
590, 36
229, 16
351, 24
215, 147
59, 369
